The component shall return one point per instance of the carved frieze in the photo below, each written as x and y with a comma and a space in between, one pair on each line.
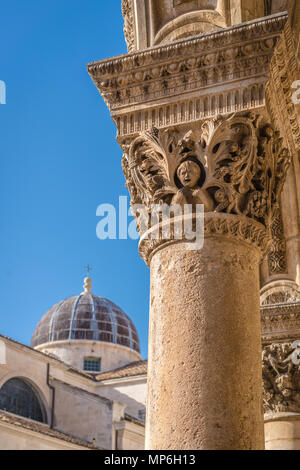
282, 297
280, 322
280, 291
197, 78
204, 62
280, 311
281, 378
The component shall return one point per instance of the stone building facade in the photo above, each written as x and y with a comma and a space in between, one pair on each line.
205, 113
80, 386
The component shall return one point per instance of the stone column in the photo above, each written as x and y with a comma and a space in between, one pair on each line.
205, 371
204, 375
282, 431
204, 368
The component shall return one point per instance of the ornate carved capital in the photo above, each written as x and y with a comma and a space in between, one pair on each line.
281, 378
234, 165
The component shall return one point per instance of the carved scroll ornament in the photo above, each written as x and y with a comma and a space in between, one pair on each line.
234, 166
128, 15
277, 259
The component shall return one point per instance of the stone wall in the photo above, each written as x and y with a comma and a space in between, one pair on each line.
130, 436
131, 392
81, 409
73, 353
13, 438
84, 415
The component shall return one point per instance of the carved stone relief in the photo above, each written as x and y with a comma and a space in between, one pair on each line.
128, 15
280, 321
235, 166
277, 257
202, 62
282, 297
281, 378
279, 90
190, 80
280, 292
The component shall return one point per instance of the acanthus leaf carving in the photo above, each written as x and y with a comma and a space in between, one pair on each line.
234, 165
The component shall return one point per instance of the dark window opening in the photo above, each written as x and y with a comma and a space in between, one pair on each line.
142, 415
18, 397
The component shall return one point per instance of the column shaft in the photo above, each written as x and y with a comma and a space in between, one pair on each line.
204, 376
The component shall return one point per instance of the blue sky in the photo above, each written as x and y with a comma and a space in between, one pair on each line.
59, 161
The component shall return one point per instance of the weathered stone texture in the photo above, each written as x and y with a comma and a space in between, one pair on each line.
204, 358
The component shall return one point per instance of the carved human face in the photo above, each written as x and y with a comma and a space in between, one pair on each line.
189, 174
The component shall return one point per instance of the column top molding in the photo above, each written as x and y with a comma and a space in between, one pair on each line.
237, 229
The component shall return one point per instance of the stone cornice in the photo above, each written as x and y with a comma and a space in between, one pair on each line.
280, 322
272, 25
233, 53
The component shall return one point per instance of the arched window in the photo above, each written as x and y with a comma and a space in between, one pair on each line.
18, 397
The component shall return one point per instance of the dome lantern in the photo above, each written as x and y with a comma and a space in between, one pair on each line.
87, 286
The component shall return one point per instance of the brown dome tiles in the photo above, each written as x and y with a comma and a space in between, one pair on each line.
86, 317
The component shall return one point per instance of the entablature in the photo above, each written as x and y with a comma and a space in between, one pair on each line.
189, 80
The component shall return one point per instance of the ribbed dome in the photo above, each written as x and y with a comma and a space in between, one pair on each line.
86, 317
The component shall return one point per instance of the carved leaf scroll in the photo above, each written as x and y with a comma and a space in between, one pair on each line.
242, 160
